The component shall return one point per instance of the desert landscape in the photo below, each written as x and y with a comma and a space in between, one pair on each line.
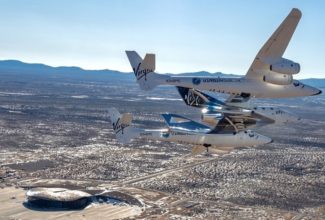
55, 132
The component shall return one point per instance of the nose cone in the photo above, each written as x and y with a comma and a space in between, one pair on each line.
265, 140
291, 117
255, 139
318, 92
312, 90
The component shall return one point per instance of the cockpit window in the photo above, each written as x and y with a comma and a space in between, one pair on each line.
279, 112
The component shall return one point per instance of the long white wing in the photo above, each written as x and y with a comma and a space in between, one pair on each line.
276, 45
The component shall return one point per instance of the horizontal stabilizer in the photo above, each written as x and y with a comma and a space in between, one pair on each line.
149, 62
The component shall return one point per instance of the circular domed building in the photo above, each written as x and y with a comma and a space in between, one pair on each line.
58, 198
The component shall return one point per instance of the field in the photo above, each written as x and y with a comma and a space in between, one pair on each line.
58, 128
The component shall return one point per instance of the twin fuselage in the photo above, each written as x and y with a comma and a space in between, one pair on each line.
269, 76
233, 86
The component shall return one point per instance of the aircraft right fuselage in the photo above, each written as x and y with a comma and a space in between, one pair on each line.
238, 86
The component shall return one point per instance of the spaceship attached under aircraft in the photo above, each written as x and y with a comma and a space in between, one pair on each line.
269, 76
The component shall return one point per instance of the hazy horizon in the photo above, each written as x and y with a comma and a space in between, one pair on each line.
186, 36
130, 71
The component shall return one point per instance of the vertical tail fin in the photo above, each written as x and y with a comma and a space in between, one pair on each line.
134, 59
121, 126
144, 69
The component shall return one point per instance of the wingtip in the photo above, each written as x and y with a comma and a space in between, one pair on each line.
167, 118
296, 12
112, 110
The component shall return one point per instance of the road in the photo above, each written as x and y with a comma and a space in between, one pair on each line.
168, 171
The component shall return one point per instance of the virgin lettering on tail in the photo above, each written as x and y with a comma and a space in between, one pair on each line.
142, 67
140, 73
118, 126
121, 125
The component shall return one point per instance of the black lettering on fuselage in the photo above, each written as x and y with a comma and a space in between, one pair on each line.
173, 81
217, 80
146, 134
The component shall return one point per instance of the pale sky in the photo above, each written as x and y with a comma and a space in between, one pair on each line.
186, 35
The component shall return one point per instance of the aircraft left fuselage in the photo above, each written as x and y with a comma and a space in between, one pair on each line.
184, 130
225, 140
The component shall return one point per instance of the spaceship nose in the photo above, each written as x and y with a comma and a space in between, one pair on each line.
266, 140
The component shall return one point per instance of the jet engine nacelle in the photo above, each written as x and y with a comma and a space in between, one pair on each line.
278, 79
285, 66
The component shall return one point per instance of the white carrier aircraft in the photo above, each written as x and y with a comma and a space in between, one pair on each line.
269, 76
238, 115
184, 130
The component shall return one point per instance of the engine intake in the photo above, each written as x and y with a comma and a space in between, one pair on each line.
278, 79
285, 66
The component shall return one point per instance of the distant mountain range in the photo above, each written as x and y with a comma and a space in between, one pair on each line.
15, 67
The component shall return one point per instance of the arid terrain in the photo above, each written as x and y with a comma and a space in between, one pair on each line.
54, 128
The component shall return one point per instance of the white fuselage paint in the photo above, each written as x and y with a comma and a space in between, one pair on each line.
237, 86
277, 115
232, 140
